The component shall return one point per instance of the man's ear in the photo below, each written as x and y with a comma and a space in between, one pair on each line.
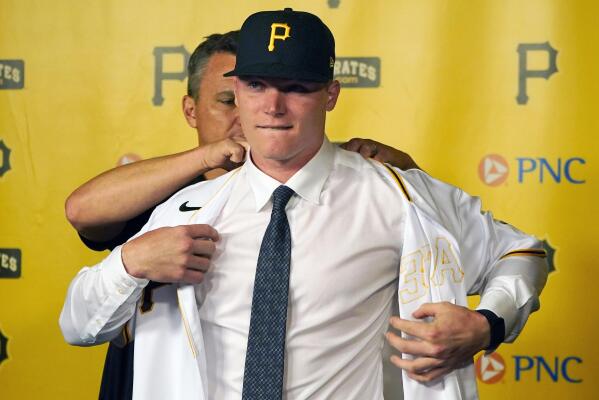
188, 105
333, 94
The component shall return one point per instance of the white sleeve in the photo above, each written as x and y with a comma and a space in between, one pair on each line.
102, 298
505, 266
511, 266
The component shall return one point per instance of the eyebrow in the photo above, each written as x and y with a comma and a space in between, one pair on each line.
286, 84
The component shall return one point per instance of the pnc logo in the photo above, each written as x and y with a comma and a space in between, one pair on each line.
493, 169
490, 368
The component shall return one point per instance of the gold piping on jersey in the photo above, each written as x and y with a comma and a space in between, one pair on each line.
215, 194
399, 181
127, 334
525, 252
183, 317
124, 337
187, 330
143, 300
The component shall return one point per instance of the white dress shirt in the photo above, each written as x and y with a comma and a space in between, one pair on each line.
346, 228
341, 287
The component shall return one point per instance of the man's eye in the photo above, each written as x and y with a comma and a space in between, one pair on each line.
228, 102
255, 85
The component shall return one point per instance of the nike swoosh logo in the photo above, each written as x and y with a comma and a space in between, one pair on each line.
183, 207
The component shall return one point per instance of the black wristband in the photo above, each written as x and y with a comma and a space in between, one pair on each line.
497, 326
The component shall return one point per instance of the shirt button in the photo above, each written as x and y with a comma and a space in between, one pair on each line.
122, 290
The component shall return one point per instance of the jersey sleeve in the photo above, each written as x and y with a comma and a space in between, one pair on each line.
504, 265
102, 298
511, 266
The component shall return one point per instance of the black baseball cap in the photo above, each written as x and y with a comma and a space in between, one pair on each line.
285, 44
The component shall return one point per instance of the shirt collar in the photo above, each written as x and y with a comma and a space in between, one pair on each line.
307, 183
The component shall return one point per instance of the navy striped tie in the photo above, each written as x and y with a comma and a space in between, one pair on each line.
265, 357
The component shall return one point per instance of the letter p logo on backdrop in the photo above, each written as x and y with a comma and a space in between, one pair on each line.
274, 36
524, 73
160, 75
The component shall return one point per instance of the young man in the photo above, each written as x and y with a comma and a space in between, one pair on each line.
209, 108
296, 291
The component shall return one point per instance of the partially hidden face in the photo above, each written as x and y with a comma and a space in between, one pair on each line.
214, 115
283, 120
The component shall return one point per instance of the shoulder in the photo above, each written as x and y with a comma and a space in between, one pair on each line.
194, 196
202, 192
373, 172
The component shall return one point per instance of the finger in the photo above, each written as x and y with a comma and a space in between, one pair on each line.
417, 366
237, 153
353, 144
426, 310
203, 247
420, 330
429, 376
197, 263
192, 276
367, 150
202, 231
243, 142
415, 348
383, 157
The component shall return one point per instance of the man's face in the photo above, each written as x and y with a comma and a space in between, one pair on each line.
283, 120
214, 115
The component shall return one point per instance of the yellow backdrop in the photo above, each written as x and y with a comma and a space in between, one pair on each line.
498, 97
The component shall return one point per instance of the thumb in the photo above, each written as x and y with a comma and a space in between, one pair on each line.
426, 310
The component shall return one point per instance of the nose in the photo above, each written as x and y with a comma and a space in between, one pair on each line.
274, 102
235, 129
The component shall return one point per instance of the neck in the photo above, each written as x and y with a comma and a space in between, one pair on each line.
283, 170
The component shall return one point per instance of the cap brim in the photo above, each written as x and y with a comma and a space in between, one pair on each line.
277, 71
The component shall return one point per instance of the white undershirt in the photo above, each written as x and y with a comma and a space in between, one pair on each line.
346, 232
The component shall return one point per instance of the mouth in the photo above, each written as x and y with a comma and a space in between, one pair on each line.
275, 127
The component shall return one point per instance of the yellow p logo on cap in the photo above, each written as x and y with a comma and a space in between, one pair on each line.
274, 36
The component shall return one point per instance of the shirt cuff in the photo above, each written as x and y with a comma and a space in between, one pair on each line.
124, 283
115, 289
502, 305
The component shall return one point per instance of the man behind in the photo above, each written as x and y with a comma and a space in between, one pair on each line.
338, 306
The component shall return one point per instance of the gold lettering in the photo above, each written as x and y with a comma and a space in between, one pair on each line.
274, 36
446, 264
411, 277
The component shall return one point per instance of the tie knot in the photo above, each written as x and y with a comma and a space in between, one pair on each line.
280, 197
